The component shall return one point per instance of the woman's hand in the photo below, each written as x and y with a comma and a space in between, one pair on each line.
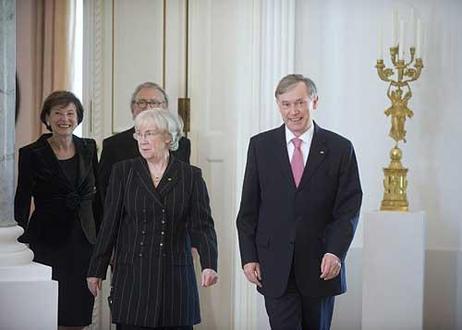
209, 277
94, 285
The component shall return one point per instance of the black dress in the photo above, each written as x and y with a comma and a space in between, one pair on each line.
75, 301
62, 228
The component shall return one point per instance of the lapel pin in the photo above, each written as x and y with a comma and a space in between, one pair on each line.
322, 152
169, 179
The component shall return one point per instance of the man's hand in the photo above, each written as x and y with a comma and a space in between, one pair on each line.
94, 285
209, 277
253, 273
330, 266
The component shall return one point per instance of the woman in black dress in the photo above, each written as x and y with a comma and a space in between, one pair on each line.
58, 172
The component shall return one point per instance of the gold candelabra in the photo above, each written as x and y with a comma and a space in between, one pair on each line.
395, 181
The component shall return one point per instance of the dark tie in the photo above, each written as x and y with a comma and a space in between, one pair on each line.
297, 161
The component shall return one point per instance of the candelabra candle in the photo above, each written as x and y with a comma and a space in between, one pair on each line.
399, 92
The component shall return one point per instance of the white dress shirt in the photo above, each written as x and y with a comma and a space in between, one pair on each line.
306, 138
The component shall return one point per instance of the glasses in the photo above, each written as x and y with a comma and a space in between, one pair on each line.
143, 104
299, 104
148, 135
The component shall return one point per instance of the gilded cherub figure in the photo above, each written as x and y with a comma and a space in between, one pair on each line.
398, 111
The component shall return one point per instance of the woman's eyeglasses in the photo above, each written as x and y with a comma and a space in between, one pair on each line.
146, 135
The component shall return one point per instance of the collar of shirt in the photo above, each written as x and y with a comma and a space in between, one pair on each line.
306, 138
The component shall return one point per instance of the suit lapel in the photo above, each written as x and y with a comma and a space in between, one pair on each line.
318, 152
142, 171
170, 176
283, 156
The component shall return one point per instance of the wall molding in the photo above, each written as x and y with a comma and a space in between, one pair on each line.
270, 37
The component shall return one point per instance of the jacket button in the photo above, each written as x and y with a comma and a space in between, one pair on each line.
161, 244
140, 255
162, 233
163, 222
141, 243
143, 232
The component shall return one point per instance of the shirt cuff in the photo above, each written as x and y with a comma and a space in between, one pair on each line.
331, 254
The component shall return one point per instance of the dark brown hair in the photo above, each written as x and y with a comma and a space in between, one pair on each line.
60, 99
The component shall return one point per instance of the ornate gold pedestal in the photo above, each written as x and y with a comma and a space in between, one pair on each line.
395, 184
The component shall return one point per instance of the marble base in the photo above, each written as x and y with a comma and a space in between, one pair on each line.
28, 298
393, 270
13, 253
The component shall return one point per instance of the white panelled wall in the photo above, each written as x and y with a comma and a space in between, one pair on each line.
336, 44
239, 49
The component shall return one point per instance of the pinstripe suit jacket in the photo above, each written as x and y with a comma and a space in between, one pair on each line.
152, 230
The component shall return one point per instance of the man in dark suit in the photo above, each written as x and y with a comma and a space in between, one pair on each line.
299, 210
123, 146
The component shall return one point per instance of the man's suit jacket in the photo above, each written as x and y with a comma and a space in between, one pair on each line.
122, 146
57, 201
282, 226
152, 230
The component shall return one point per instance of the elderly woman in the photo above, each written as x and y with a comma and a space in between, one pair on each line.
58, 172
157, 207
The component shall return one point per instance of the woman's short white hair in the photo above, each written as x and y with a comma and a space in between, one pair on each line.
165, 121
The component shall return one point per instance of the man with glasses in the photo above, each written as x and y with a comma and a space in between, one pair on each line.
299, 210
123, 146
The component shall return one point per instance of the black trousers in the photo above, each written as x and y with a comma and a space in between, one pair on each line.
293, 311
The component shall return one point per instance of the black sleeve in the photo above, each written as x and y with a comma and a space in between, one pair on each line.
22, 198
106, 162
113, 214
187, 150
183, 152
247, 218
202, 230
347, 206
97, 202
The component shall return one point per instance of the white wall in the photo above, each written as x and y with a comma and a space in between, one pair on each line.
336, 45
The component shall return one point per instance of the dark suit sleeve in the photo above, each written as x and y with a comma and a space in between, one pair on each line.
22, 199
187, 150
346, 207
97, 203
106, 162
247, 218
107, 235
202, 230
183, 152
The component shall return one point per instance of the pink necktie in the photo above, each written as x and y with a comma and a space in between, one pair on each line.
297, 161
